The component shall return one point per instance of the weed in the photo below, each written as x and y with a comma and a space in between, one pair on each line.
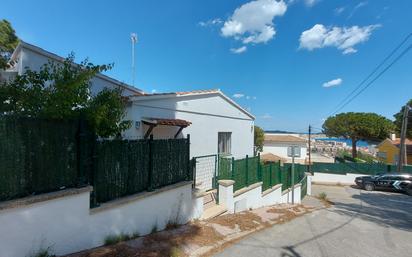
114, 239
171, 225
323, 196
175, 252
44, 253
154, 228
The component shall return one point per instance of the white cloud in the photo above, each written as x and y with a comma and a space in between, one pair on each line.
211, 22
333, 83
253, 21
154, 91
311, 3
239, 50
355, 9
266, 116
343, 38
238, 95
339, 10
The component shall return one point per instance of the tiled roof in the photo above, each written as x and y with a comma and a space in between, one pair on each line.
283, 138
167, 122
270, 157
397, 141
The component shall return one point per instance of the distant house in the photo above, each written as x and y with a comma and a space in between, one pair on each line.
388, 150
280, 145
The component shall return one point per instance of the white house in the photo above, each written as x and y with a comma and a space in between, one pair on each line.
280, 145
216, 124
32, 57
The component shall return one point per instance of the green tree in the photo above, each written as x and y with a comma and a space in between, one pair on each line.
8, 41
62, 91
259, 139
358, 126
398, 121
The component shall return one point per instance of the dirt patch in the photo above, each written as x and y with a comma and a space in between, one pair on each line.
118, 250
244, 220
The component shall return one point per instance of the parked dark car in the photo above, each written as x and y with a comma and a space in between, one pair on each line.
389, 181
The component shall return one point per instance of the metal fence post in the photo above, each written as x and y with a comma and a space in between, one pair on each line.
233, 168
150, 175
80, 154
189, 171
259, 168
270, 174
247, 170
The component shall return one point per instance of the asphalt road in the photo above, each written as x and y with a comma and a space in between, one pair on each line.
359, 224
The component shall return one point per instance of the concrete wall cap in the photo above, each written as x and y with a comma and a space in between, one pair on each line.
270, 190
245, 189
226, 182
21, 202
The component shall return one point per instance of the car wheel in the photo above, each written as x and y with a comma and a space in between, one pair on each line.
369, 187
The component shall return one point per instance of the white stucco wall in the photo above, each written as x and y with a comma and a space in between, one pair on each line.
250, 199
67, 225
348, 179
35, 60
273, 196
208, 114
281, 149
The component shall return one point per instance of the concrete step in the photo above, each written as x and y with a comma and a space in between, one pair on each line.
212, 212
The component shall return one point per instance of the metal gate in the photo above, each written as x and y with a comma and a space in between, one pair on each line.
206, 172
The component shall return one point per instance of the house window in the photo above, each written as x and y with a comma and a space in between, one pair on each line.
224, 142
381, 155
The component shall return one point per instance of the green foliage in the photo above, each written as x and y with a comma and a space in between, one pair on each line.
358, 126
8, 41
361, 156
154, 228
62, 91
114, 239
258, 139
43, 253
323, 196
398, 121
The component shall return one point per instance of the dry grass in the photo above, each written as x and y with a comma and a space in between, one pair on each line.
244, 220
180, 241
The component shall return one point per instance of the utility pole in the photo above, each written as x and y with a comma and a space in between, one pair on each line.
293, 174
310, 161
402, 150
133, 37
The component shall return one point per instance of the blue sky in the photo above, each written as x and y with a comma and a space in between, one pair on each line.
277, 57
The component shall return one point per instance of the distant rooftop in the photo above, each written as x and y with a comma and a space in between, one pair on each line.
283, 138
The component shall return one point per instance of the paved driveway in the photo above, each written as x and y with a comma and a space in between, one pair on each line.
359, 224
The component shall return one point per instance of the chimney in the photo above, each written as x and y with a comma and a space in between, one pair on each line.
393, 136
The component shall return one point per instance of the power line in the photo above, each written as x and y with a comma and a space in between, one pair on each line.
377, 76
373, 71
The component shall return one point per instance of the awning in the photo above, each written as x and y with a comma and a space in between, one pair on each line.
153, 122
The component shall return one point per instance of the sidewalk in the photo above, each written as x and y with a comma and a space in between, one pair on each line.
201, 238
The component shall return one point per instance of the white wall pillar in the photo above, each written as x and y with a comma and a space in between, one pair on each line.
309, 184
226, 194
